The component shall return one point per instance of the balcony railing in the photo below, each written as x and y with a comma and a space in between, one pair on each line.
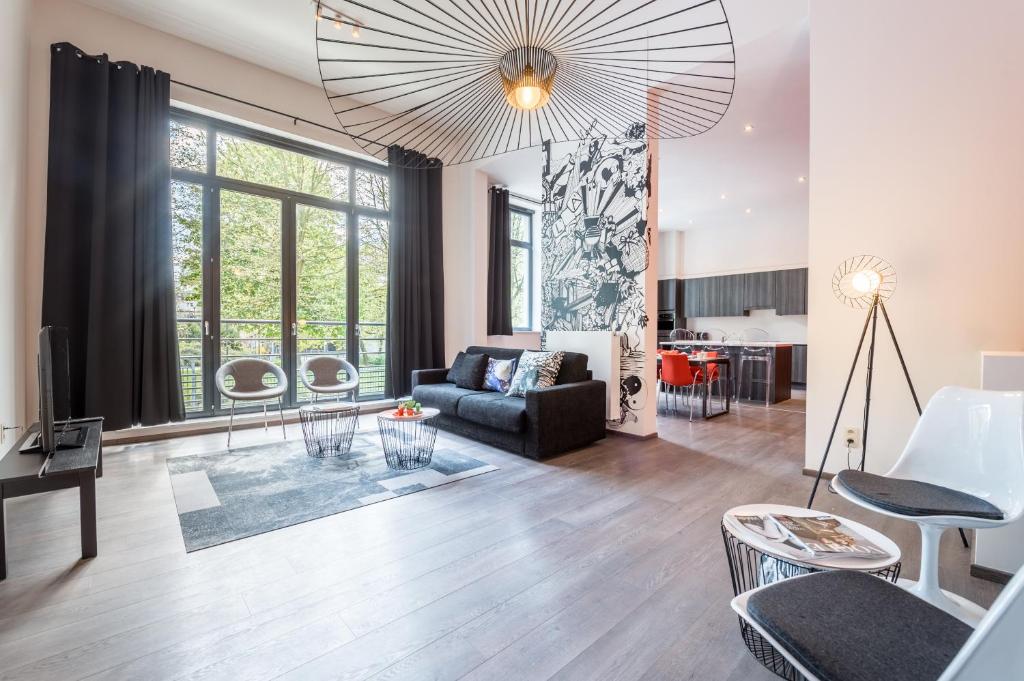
260, 338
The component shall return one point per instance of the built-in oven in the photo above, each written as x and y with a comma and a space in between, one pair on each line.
666, 323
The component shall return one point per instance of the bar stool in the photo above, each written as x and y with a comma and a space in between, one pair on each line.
714, 378
681, 335
755, 356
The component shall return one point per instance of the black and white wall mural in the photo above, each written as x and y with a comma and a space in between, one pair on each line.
597, 249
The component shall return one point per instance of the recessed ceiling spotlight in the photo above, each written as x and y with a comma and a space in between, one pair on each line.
355, 32
801, 179
722, 196
748, 128
691, 222
337, 21
748, 211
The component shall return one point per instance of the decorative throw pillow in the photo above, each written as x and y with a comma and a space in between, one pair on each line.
468, 371
499, 374
535, 370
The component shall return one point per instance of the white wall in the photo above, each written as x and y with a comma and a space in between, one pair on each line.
916, 156
14, 76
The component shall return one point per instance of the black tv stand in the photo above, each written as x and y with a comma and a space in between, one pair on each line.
32, 474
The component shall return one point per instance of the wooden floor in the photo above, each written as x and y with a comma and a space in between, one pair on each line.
605, 563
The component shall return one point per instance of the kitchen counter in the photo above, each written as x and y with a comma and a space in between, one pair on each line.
780, 371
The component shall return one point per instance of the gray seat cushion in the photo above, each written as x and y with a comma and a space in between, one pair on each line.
913, 498
442, 396
494, 410
851, 626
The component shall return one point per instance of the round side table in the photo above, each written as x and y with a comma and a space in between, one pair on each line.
756, 561
328, 428
408, 440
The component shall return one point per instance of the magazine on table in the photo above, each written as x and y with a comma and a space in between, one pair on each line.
821, 536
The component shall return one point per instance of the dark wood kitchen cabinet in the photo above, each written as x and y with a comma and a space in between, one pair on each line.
693, 297
759, 290
800, 364
791, 291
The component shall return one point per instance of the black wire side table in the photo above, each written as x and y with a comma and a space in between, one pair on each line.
408, 440
751, 567
328, 428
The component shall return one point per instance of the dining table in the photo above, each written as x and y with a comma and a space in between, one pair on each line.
704, 362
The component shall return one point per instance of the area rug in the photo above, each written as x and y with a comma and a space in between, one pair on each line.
243, 492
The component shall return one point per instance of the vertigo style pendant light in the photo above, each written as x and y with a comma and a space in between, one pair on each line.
462, 80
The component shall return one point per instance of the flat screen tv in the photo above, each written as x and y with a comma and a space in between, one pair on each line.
54, 371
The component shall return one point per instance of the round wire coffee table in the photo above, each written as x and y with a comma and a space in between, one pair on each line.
408, 440
328, 428
755, 561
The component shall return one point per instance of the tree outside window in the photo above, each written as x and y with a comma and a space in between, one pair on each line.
521, 243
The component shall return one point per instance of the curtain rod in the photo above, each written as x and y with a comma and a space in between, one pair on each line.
295, 119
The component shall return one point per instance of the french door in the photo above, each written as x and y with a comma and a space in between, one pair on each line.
280, 253
286, 277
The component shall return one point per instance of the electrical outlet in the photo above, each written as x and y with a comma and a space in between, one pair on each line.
851, 437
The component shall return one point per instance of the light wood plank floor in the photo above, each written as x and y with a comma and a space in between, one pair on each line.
606, 563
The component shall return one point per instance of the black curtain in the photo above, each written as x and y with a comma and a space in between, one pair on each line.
415, 336
499, 265
107, 272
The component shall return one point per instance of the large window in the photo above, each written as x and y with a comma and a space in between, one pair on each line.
280, 252
522, 269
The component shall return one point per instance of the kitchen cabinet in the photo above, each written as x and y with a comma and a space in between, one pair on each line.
791, 291
759, 290
667, 294
800, 364
693, 297
733, 295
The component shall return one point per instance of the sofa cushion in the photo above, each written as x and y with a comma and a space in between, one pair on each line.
442, 396
468, 370
496, 353
495, 411
535, 370
499, 374
573, 369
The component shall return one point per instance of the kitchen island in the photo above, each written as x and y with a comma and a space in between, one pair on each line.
780, 384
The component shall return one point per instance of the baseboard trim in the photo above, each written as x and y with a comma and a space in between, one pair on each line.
990, 574
811, 472
632, 436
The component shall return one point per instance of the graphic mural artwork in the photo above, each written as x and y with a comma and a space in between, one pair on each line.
597, 249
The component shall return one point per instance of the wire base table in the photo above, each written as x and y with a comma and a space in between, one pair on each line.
752, 565
408, 441
328, 428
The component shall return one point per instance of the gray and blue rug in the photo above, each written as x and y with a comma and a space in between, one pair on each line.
244, 492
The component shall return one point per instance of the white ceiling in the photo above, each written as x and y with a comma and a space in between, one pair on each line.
756, 170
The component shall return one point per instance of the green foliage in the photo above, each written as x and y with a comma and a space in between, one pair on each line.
251, 253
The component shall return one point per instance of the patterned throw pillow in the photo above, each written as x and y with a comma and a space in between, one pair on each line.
499, 374
535, 370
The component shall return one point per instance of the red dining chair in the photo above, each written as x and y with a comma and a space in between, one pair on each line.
661, 352
714, 377
676, 374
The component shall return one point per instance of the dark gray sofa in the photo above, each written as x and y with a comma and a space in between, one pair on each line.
550, 421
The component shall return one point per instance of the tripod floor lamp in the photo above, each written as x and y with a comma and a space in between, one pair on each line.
865, 282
